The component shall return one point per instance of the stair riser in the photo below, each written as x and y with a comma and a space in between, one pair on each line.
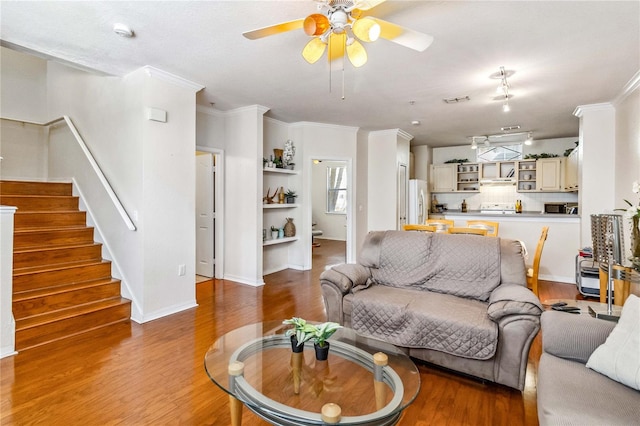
46, 333
35, 188
55, 237
40, 203
56, 256
48, 220
32, 281
53, 302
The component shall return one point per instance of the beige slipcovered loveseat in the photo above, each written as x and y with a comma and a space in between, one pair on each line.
458, 301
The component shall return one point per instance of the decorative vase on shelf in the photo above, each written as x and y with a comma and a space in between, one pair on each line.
274, 235
289, 228
281, 233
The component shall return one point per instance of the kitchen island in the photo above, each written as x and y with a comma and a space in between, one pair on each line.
562, 245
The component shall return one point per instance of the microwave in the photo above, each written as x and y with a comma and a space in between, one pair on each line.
555, 208
561, 208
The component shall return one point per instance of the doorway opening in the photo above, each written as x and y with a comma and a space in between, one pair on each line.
208, 214
330, 199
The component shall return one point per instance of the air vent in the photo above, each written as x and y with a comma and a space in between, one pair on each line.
509, 128
456, 100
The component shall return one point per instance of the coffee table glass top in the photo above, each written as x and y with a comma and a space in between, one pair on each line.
268, 387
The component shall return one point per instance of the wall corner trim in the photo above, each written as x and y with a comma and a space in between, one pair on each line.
581, 109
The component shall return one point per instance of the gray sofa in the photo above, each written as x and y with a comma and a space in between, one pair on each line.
570, 393
457, 301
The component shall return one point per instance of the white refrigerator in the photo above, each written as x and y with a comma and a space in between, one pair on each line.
418, 201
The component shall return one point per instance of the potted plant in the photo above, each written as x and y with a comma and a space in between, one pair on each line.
300, 333
290, 196
274, 232
322, 333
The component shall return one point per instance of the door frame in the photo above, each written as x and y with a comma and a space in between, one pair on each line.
218, 185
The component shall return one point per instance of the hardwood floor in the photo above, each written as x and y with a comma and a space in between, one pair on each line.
153, 374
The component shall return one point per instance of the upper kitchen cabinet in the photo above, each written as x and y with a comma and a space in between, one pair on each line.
527, 176
550, 174
571, 171
444, 177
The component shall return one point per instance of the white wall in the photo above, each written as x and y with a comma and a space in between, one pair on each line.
243, 199
23, 86
333, 226
383, 176
210, 128
362, 194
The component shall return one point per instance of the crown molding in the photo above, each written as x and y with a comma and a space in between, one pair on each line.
581, 109
628, 88
171, 78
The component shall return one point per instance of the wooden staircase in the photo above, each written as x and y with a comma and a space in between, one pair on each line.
61, 284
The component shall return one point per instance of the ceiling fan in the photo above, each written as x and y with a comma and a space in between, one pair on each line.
340, 27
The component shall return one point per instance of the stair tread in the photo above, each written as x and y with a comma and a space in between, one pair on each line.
57, 266
49, 229
19, 296
62, 314
55, 247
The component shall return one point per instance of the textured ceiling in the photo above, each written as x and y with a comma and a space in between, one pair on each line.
564, 54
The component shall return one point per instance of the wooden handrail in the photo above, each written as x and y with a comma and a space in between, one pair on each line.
96, 168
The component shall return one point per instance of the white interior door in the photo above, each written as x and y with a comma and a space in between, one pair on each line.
205, 215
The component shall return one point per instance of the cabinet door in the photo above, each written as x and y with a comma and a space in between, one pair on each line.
550, 174
571, 171
443, 177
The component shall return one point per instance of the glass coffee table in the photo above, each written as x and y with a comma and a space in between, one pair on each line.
364, 381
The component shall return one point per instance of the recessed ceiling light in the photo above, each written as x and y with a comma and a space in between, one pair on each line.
415, 122
122, 30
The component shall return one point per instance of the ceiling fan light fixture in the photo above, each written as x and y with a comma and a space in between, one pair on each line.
316, 24
366, 29
313, 50
356, 53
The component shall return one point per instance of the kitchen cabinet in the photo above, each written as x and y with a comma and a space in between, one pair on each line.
571, 171
550, 174
444, 177
527, 176
456, 177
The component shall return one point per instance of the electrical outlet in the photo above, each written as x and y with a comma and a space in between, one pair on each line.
182, 269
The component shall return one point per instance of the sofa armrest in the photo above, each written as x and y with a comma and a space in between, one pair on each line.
512, 299
338, 281
573, 337
346, 277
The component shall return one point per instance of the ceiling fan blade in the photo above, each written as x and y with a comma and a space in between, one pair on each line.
404, 36
282, 27
368, 4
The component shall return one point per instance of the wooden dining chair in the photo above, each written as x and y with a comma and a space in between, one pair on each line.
422, 228
440, 224
532, 270
465, 230
491, 227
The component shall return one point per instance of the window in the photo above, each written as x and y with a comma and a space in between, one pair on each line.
337, 190
499, 153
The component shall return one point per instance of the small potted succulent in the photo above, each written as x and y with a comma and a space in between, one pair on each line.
274, 233
300, 333
290, 196
322, 333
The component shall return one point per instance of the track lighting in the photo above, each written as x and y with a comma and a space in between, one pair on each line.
528, 141
474, 144
486, 142
510, 138
505, 106
503, 88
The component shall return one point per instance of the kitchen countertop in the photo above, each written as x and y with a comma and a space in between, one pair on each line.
528, 214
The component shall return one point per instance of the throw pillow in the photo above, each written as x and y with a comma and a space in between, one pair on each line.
619, 356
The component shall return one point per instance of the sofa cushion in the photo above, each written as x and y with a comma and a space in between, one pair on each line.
419, 319
570, 394
464, 265
619, 357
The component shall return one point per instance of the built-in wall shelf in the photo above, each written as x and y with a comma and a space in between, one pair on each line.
279, 241
282, 171
280, 206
